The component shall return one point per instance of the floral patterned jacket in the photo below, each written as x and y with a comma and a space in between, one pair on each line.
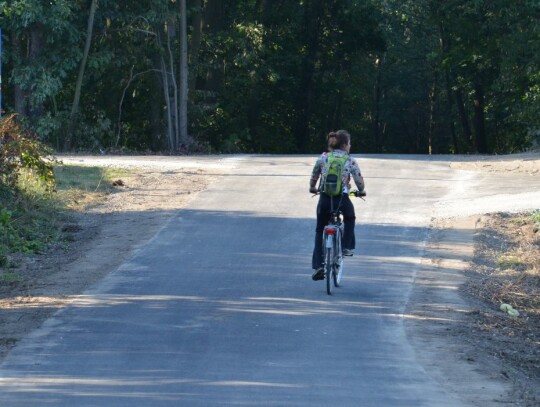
351, 170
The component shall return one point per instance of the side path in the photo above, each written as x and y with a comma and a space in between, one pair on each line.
440, 321
435, 311
444, 323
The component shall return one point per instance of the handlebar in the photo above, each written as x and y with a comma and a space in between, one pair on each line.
356, 193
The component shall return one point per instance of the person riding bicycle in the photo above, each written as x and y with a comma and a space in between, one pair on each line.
339, 145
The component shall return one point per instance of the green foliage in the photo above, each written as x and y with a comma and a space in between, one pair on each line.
446, 58
30, 221
9, 277
22, 151
262, 88
42, 51
26, 225
401, 75
4, 261
28, 218
5, 217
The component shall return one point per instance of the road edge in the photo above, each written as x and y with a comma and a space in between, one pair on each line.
436, 318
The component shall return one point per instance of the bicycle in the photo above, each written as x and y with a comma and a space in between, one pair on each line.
332, 249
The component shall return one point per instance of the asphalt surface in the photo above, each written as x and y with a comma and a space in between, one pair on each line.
219, 308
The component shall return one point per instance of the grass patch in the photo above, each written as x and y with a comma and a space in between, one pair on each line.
80, 187
511, 262
9, 277
535, 216
32, 218
28, 221
87, 179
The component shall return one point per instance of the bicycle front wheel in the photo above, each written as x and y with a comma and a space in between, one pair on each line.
329, 268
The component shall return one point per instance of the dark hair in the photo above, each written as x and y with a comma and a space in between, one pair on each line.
338, 139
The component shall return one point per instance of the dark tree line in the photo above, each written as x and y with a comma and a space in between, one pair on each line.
414, 76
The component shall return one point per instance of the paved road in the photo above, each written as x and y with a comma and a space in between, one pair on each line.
219, 309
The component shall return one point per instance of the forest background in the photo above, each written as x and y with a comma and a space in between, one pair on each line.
274, 76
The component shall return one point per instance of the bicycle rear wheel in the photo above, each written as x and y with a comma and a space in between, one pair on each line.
329, 268
338, 272
338, 267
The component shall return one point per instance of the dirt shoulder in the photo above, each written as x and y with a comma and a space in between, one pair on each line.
523, 163
453, 319
100, 239
506, 270
471, 266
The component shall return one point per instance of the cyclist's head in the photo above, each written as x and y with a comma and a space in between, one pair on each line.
339, 140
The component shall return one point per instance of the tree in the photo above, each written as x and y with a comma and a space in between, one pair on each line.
38, 65
82, 67
184, 138
313, 10
275, 76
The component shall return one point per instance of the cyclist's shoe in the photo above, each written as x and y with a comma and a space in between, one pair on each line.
348, 252
318, 274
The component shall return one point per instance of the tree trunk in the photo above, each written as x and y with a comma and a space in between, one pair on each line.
19, 94
377, 103
184, 140
312, 24
432, 104
82, 67
170, 121
449, 98
119, 120
36, 45
463, 117
213, 23
445, 46
195, 45
173, 84
214, 15
159, 140
254, 100
336, 117
479, 120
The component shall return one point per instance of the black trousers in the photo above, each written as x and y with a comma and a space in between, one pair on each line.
325, 205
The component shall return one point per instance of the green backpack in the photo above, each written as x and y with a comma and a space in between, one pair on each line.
331, 183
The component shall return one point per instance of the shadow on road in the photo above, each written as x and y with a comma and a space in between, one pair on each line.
220, 307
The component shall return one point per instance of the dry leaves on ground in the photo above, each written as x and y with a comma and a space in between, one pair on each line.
506, 270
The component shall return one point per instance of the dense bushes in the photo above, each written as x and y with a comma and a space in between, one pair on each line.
22, 151
27, 219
